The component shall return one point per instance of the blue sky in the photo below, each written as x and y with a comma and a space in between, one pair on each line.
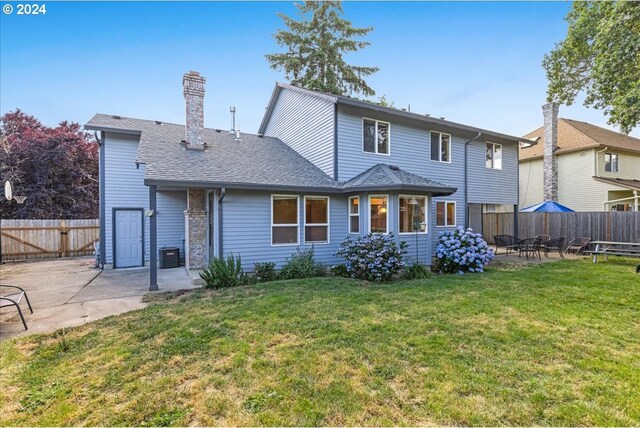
471, 62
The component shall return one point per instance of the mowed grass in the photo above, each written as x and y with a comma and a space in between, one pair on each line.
551, 344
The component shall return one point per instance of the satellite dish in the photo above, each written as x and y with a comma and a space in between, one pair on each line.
8, 192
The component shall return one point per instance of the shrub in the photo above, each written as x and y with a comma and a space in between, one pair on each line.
417, 271
339, 270
302, 264
266, 271
462, 251
375, 257
224, 273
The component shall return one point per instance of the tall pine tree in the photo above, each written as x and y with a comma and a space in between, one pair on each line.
316, 45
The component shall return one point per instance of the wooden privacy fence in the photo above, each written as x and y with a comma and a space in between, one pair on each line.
600, 225
40, 239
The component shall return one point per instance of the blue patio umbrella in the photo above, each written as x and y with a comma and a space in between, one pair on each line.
547, 207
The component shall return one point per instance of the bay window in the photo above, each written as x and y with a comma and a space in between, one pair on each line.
412, 214
378, 216
354, 214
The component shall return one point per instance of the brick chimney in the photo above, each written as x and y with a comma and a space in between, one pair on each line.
550, 165
193, 85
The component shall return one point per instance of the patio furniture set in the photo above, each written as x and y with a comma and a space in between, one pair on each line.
532, 247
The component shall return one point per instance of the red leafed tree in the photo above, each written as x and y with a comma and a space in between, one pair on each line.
55, 168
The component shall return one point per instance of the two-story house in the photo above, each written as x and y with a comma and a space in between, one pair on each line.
321, 168
588, 168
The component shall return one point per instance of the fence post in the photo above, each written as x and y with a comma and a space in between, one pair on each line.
63, 238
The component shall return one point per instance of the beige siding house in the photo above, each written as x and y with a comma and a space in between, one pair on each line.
597, 169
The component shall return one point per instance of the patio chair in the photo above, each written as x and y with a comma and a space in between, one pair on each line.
543, 240
555, 244
531, 247
508, 242
577, 245
13, 299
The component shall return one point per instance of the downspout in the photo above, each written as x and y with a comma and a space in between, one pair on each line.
223, 191
466, 180
599, 151
101, 197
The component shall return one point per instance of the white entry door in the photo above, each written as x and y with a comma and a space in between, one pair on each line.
128, 238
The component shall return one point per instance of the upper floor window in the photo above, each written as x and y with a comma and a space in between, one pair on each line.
440, 147
316, 219
375, 136
354, 214
284, 220
611, 162
445, 213
413, 210
378, 218
494, 156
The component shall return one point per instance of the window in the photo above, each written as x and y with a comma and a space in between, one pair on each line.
378, 219
413, 214
611, 162
494, 156
284, 220
440, 147
445, 214
375, 136
354, 214
316, 219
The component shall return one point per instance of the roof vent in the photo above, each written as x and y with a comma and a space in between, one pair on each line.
427, 114
218, 130
238, 135
441, 117
116, 117
158, 122
394, 167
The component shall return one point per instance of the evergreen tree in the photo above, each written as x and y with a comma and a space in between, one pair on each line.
316, 45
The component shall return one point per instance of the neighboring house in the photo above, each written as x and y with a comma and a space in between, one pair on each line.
595, 169
322, 168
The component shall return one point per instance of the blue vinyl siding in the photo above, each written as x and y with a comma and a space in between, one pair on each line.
247, 229
124, 188
306, 124
493, 186
170, 212
124, 185
410, 149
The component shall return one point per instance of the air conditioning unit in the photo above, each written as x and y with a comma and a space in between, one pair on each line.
169, 257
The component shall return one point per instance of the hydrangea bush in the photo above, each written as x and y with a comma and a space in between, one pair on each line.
375, 257
461, 251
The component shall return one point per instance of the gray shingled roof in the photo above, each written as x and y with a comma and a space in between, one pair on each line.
252, 163
386, 177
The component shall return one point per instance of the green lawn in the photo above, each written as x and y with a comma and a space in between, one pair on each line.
551, 344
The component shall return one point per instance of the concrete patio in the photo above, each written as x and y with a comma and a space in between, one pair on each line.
70, 292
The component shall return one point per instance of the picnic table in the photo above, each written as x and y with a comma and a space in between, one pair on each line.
609, 248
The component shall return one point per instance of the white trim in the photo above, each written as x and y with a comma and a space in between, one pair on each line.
327, 224
297, 224
369, 211
493, 154
376, 134
440, 147
350, 214
455, 213
426, 214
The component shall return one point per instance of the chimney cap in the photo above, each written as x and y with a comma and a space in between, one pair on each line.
194, 73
